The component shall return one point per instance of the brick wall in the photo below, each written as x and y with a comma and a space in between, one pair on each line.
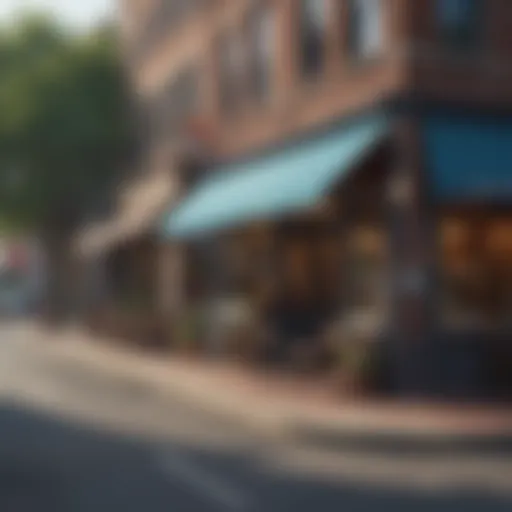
413, 60
480, 77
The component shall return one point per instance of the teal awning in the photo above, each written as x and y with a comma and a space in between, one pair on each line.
289, 181
469, 159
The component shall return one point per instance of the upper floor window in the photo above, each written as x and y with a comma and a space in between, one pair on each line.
262, 43
159, 19
170, 108
312, 25
231, 61
365, 28
460, 21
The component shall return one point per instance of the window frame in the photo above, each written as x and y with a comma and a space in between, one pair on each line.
261, 40
318, 36
453, 37
459, 307
230, 78
357, 42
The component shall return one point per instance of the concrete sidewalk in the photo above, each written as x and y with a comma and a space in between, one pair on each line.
277, 406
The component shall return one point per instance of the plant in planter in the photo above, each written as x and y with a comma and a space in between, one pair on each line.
242, 330
189, 329
355, 366
358, 357
231, 325
355, 363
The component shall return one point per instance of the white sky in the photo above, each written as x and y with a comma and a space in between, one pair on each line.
76, 13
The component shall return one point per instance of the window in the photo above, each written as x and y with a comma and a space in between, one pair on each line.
312, 25
460, 21
165, 17
231, 64
175, 103
476, 271
365, 34
262, 42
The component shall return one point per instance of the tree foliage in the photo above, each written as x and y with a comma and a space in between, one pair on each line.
64, 123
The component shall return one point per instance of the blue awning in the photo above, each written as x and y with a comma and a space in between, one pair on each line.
289, 181
469, 159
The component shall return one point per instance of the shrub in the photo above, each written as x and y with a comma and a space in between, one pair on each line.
189, 329
358, 365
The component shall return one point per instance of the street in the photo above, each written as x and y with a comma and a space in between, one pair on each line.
76, 440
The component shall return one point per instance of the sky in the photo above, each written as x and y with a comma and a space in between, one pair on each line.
79, 14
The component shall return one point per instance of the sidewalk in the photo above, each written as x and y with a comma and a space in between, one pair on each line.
279, 406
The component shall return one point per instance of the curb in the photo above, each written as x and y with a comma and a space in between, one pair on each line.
402, 443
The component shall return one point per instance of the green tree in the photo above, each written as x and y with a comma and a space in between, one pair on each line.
64, 130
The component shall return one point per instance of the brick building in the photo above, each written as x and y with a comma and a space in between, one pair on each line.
368, 138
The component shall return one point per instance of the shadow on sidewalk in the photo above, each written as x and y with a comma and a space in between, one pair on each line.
48, 464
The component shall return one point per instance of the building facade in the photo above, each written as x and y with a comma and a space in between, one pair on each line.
363, 148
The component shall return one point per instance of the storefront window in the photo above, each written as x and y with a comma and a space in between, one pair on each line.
476, 272
298, 267
329, 265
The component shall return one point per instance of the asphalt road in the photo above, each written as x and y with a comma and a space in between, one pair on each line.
75, 440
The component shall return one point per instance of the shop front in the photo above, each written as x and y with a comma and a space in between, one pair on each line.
119, 264
306, 245
469, 160
296, 244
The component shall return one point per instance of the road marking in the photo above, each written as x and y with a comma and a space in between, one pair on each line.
217, 491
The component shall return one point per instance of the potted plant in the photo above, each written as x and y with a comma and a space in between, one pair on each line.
355, 361
188, 330
355, 365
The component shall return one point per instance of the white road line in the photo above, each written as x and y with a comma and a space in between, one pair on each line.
215, 490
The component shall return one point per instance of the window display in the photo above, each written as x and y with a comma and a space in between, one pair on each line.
476, 272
